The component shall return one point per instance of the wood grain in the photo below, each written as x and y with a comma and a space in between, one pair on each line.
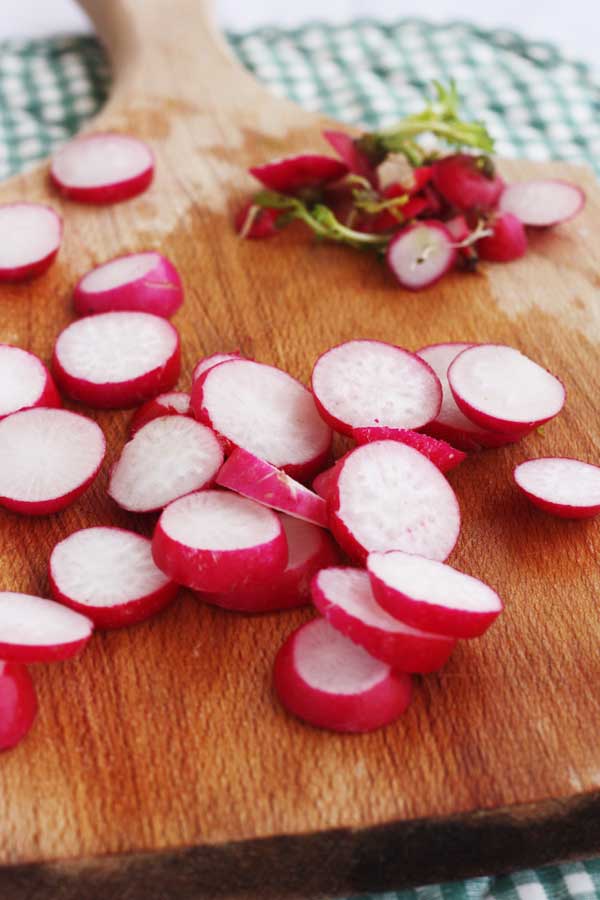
161, 764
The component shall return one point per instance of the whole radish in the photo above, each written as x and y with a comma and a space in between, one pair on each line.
467, 182
507, 241
296, 173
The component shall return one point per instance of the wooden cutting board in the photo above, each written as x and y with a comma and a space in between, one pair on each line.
161, 765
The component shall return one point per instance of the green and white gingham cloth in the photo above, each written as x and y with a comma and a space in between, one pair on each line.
537, 104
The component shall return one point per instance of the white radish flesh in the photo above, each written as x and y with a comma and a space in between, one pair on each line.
420, 254
209, 362
30, 236
568, 488
35, 630
146, 282
542, 203
25, 381
173, 403
102, 168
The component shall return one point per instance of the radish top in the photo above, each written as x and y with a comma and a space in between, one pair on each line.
330, 662
22, 379
119, 271
218, 520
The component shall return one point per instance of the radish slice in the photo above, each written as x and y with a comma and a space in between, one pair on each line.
30, 235
117, 359
102, 168
430, 595
265, 411
390, 497
146, 282
252, 477
309, 549
294, 173
34, 630
174, 403
345, 598
564, 487
166, 459
420, 254
25, 381
326, 680
498, 387
216, 541
18, 704
370, 383
109, 575
325, 482
209, 362
507, 241
48, 457
542, 203
439, 452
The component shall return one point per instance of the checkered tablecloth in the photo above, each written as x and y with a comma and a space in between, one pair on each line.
536, 103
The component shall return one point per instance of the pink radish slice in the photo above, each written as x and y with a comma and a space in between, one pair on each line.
146, 282
108, 574
102, 168
18, 704
328, 681
174, 403
345, 598
564, 487
325, 482
497, 387
542, 203
117, 359
25, 381
33, 630
439, 452
369, 383
218, 542
420, 254
209, 362
167, 458
294, 173
390, 497
309, 549
252, 477
30, 235
427, 594
265, 411
48, 457
507, 241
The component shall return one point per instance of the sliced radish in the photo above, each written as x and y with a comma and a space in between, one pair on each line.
467, 182
294, 173
109, 575
117, 359
356, 161
30, 235
216, 541
421, 253
564, 487
102, 168
18, 704
542, 203
431, 595
167, 458
25, 381
328, 681
499, 388
439, 452
209, 362
507, 241
265, 411
390, 497
34, 630
48, 457
146, 282
325, 482
345, 598
174, 403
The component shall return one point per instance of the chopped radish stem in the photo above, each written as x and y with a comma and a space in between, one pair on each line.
542, 203
25, 381
18, 704
30, 235
563, 487
507, 241
102, 168
209, 362
146, 282
294, 173
174, 403
421, 253
439, 452
463, 181
34, 630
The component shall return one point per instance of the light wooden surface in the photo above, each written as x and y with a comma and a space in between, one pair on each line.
161, 764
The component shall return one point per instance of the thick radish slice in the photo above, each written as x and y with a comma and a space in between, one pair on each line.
542, 203
102, 168
25, 381
167, 458
265, 411
439, 452
216, 541
564, 487
344, 596
48, 457
18, 704
428, 594
252, 477
173, 403
109, 575
294, 173
328, 681
421, 254
146, 282
507, 241
389, 496
117, 359
360, 384
30, 236
497, 387
209, 362
34, 630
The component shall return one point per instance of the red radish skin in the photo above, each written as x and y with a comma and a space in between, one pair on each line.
355, 160
462, 181
542, 203
366, 383
324, 483
118, 359
108, 574
146, 282
35, 630
439, 452
255, 222
564, 487
48, 457
217, 542
420, 254
430, 595
345, 598
25, 382
328, 681
507, 241
102, 168
173, 403
18, 704
209, 362
30, 238
258, 480
295, 173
